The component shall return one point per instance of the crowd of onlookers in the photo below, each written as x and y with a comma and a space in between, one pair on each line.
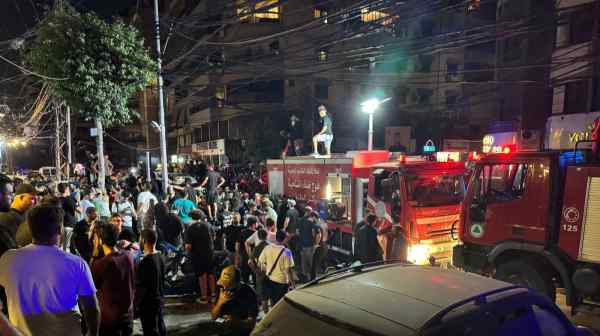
76, 259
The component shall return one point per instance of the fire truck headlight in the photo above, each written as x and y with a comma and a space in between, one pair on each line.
419, 254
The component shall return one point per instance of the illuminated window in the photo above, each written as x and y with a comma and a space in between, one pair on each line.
321, 13
367, 15
322, 55
267, 12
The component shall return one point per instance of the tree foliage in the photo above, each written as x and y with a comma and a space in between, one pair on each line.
104, 63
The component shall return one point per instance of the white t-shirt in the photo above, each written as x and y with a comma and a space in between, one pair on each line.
42, 286
126, 210
271, 213
143, 202
281, 271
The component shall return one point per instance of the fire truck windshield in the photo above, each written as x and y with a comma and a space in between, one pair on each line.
435, 190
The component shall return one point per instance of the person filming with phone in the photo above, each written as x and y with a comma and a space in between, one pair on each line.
237, 307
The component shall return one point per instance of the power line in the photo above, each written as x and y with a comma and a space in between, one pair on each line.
29, 71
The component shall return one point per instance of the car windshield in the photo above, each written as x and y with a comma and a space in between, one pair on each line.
434, 190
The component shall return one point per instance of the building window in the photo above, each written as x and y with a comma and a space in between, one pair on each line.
264, 11
322, 55
451, 71
425, 62
562, 35
274, 47
424, 95
558, 99
576, 95
582, 26
513, 47
291, 83
321, 13
322, 91
401, 94
367, 15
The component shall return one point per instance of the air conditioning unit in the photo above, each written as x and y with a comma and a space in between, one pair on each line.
529, 140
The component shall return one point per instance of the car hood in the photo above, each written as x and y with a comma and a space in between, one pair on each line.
390, 300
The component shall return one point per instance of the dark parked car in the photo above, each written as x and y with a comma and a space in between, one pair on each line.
398, 299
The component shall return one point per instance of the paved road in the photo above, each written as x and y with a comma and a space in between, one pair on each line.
591, 321
183, 315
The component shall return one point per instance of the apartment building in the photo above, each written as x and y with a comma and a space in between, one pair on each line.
450, 71
574, 72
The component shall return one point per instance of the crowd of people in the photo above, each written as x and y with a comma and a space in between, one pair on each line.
76, 259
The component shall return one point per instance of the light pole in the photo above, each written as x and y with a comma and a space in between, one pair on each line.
369, 107
163, 128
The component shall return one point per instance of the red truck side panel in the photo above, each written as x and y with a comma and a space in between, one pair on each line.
572, 212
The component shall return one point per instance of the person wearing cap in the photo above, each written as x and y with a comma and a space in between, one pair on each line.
237, 307
325, 135
14, 220
294, 137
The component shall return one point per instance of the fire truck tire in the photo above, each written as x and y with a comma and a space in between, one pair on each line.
529, 274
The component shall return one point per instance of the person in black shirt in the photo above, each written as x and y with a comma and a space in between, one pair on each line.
367, 248
325, 135
294, 135
149, 292
81, 243
240, 247
6, 193
169, 226
308, 231
237, 307
232, 235
199, 243
213, 181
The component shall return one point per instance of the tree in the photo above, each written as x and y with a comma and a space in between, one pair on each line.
100, 66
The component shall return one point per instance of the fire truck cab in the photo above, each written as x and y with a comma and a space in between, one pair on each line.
533, 218
418, 202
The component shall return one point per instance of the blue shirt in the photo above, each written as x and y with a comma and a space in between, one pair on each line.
184, 207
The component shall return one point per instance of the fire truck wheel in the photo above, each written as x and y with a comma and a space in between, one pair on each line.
528, 274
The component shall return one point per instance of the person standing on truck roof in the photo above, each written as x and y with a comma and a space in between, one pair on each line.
326, 133
213, 181
293, 136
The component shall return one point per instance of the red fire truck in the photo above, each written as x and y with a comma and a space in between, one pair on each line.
415, 199
534, 218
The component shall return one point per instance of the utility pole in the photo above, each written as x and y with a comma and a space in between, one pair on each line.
69, 150
100, 158
57, 143
161, 107
148, 168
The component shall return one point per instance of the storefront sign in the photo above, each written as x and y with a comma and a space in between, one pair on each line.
209, 148
429, 147
495, 143
564, 131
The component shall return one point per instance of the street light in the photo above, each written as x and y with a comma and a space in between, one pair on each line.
369, 107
